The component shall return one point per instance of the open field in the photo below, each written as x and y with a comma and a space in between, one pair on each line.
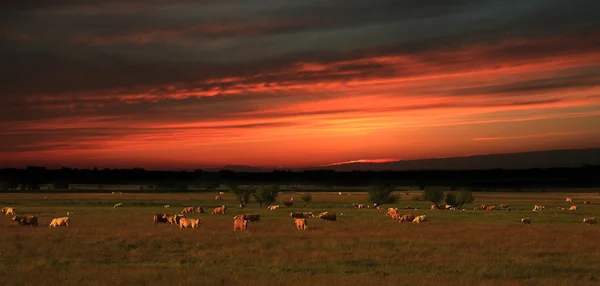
106, 246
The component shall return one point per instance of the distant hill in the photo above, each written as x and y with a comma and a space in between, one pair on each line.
525, 160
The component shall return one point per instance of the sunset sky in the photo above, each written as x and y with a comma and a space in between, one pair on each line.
191, 84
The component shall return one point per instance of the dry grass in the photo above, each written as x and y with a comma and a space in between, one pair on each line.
106, 246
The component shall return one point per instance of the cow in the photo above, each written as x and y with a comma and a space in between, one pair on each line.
221, 193
254, 217
538, 208
569, 200
447, 207
174, 219
241, 216
239, 224
490, 208
526, 220
586, 202
483, 207
220, 210
420, 219
434, 207
301, 223
187, 210
160, 218
353, 205
26, 220
186, 222
504, 207
573, 208
217, 197
395, 216
166, 206
589, 220
9, 211
60, 221
392, 211
407, 207
561, 209
200, 210
308, 215
326, 216
290, 203
407, 218
297, 215
118, 205
361, 206
273, 208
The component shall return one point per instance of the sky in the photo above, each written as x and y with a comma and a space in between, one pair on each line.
280, 83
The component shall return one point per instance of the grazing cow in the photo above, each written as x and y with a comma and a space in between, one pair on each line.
483, 207
490, 208
392, 211
189, 222
538, 208
118, 205
301, 223
586, 202
187, 210
288, 204
355, 206
589, 220
166, 206
9, 211
327, 216
254, 217
569, 200
160, 218
220, 210
174, 219
504, 207
395, 216
526, 220
297, 215
434, 207
221, 193
26, 220
561, 209
573, 208
420, 219
407, 218
60, 221
447, 207
217, 197
200, 210
241, 216
239, 224
362, 206
273, 208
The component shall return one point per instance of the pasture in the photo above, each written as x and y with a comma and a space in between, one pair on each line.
107, 246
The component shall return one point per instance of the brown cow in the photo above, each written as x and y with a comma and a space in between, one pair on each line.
573, 208
327, 216
220, 210
200, 210
187, 210
447, 207
420, 219
160, 218
434, 207
392, 211
526, 220
538, 208
407, 218
561, 209
26, 220
297, 215
118, 205
240, 224
569, 200
395, 216
301, 223
60, 221
174, 219
188, 222
273, 208
589, 220
8, 211
217, 197
586, 202
308, 215
504, 207
490, 208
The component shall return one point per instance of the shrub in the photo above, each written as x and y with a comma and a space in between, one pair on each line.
450, 199
266, 195
382, 194
241, 194
418, 198
434, 196
307, 198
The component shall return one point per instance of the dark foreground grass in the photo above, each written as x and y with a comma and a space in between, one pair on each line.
106, 246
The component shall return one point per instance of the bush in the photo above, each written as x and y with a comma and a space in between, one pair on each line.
434, 196
382, 194
307, 198
241, 194
266, 195
418, 198
465, 196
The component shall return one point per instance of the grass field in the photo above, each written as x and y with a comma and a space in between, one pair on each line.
106, 246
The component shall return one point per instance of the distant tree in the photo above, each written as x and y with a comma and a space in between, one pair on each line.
241, 194
434, 196
266, 195
465, 196
450, 199
382, 194
307, 198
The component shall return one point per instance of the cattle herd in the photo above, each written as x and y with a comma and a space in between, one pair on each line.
240, 222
